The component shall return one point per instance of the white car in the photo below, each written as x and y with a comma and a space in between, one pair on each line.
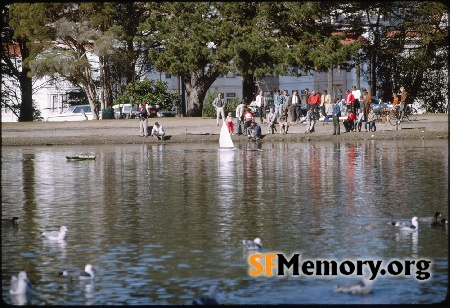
125, 110
166, 113
73, 113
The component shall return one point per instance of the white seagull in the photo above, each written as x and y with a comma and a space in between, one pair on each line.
406, 225
20, 284
56, 235
253, 245
363, 286
88, 273
414, 225
210, 299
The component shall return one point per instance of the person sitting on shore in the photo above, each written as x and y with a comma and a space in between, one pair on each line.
249, 117
310, 120
359, 120
370, 120
349, 122
158, 131
254, 131
272, 121
284, 124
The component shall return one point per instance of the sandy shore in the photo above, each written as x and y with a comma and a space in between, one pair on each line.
188, 130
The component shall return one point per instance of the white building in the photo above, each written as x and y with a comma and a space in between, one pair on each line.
51, 96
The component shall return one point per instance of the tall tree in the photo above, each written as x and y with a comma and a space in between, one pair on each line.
71, 58
122, 51
194, 39
26, 28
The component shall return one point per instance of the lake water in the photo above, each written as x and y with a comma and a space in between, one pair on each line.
161, 223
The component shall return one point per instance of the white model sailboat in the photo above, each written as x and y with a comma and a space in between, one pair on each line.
225, 141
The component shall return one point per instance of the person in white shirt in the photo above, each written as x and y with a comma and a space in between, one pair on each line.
219, 105
359, 120
240, 109
357, 94
328, 112
325, 99
260, 103
158, 131
272, 120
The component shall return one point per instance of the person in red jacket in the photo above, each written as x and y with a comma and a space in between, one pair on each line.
350, 100
350, 121
314, 102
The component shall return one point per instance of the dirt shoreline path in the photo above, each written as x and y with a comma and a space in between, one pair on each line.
193, 130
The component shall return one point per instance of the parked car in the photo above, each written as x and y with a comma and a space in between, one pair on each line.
73, 113
125, 111
165, 113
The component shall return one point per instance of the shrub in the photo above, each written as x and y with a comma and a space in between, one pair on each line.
208, 110
152, 92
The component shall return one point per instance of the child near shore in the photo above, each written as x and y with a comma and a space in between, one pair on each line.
230, 124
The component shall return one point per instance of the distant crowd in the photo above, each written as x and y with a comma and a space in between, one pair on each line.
353, 110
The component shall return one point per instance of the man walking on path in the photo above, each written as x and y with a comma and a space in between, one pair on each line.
219, 105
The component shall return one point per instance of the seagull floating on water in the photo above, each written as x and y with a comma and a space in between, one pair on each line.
363, 286
210, 299
56, 235
20, 284
88, 273
255, 244
414, 225
439, 223
431, 219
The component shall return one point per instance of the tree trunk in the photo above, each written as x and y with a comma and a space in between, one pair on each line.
358, 72
373, 66
89, 88
330, 87
196, 95
248, 88
26, 87
107, 79
197, 84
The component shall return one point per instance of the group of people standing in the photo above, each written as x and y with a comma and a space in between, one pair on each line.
291, 110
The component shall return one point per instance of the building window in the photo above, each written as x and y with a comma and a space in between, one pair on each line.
231, 94
297, 71
53, 102
168, 76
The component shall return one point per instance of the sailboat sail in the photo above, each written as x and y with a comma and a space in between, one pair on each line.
225, 138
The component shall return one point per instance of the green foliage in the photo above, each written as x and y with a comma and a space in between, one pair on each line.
208, 108
152, 92
37, 113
